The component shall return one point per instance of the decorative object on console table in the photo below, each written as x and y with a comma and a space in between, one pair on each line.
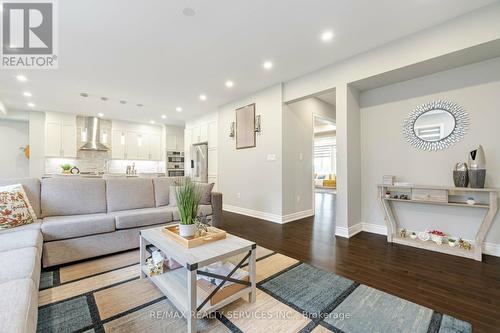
461, 175
477, 167
188, 196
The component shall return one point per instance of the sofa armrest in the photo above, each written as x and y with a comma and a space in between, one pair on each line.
216, 208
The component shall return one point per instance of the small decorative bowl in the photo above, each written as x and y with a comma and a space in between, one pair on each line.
471, 202
423, 236
452, 243
437, 239
413, 236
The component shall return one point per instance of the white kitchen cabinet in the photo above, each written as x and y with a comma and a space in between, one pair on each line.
203, 133
195, 135
60, 135
143, 146
118, 145
131, 145
171, 142
53, 139
68, 142
188, 134
155, 147
212, 134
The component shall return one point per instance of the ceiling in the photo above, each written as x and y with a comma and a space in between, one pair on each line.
150, 53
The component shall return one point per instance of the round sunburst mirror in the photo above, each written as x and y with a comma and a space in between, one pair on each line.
436, 125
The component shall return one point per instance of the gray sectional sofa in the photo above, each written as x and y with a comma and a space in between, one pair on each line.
78, 218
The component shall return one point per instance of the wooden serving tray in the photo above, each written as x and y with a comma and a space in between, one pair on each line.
212, 235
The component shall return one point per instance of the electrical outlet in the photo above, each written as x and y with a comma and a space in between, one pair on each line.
238, 195
298, 198
301, 157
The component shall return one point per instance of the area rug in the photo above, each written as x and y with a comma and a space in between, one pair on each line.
106, 295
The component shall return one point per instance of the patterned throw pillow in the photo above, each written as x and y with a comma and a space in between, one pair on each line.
15, 208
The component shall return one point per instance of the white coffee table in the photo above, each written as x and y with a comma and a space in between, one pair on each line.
179, 285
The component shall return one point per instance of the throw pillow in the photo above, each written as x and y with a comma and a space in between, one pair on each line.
15, 208
206, 193
172, 195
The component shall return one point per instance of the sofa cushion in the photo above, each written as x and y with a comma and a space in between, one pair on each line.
73, 196
206, 193
162, 189
19, 304
142, 217
20, 239
125, 194
21, 263
203, 210
62, 227
15, 207
31, 187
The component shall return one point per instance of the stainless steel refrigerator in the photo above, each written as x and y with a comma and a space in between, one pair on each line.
199, 162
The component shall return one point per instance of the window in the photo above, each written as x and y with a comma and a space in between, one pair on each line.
324, 157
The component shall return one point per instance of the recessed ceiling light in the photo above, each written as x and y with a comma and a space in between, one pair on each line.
151, 121
31, 105
163, 116
178, 109
27, 94
21, 78
229, 84
203, 97
123, 102
100, 115
188, 11
327, 36
267, 64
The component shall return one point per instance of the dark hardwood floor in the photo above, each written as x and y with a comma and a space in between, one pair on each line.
463, 288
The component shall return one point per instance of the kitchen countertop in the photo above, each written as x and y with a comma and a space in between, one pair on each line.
107, 175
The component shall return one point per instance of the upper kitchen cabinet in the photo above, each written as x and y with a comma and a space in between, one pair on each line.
206, 132
131, 141
155, 147
174, 138
60, 135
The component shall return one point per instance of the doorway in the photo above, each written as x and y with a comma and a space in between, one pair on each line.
324, 167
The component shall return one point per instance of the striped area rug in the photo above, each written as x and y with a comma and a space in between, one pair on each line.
106, 295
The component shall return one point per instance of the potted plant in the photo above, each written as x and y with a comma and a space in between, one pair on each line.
66, 168
452, 242
188, 196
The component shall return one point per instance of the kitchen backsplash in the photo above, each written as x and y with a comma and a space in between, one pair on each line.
94, 161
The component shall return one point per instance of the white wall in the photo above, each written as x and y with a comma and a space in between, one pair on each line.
384, 150
13, 134
298, 129
247, 172
37, 144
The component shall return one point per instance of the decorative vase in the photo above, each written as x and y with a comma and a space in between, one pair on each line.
477, 167
461, 175
187, 230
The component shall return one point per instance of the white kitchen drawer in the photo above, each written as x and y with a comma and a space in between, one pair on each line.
429, 195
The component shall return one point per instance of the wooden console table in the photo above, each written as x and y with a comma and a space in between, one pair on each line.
449, 196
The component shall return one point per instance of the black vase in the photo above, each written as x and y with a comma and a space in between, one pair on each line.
460, 178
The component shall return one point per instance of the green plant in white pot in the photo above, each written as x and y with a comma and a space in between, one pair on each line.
188, 196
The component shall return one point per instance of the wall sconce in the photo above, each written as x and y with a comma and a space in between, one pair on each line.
232, 129
257, 124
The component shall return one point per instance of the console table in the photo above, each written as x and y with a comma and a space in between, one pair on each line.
436, 195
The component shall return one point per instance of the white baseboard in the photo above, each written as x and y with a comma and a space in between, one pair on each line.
268, 216
297, 215
253, 213
488, 248
491, 249
348, 232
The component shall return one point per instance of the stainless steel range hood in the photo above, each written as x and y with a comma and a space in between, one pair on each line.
93, 130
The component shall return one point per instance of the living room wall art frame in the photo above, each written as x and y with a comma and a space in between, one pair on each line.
245, 127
